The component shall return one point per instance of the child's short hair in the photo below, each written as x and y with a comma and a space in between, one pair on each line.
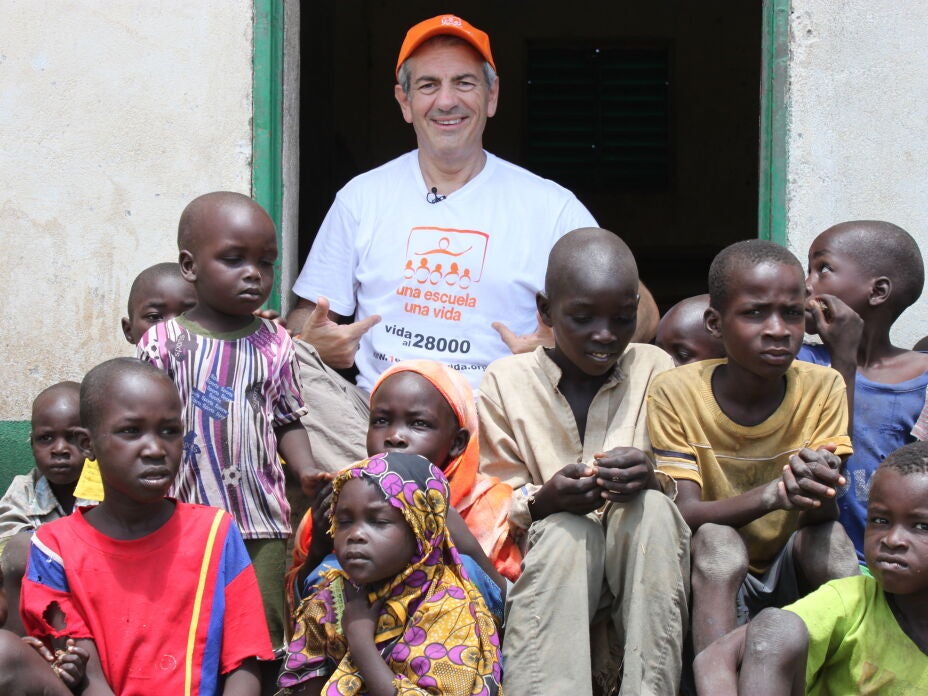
750, 252
167, 269
884, 249
60, 386
188, 228
95, 383
909, 459
587, 250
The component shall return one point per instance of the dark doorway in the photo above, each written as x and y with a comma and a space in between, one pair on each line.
676, 173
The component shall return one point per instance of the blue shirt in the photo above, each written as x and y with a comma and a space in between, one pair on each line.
884, 415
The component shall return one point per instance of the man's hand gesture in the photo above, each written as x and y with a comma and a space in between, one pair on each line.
336, 343
542, 336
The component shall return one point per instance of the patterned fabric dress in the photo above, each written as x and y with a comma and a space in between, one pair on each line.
236, 388
434, 631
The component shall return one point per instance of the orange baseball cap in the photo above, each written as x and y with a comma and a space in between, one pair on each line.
445, 24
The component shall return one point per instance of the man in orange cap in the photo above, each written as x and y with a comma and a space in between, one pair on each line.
435, 254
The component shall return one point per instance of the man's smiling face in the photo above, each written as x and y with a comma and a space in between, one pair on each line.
449, 100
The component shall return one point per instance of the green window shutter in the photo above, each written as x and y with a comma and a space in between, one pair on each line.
598, 117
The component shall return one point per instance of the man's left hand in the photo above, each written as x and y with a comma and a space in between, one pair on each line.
542, 336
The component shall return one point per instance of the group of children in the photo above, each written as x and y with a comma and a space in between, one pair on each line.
598, 514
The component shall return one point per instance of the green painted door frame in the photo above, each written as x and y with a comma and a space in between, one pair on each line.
267, 112
771, 209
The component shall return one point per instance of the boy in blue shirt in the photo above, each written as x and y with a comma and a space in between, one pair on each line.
862, 276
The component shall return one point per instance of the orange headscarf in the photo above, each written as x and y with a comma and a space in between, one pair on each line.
482, 501
461, 471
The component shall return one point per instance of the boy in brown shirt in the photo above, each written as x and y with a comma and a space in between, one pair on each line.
565, 427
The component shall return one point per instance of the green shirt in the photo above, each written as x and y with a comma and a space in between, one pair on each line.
856, 646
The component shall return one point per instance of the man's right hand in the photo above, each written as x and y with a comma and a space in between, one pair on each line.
336, 343
572, 489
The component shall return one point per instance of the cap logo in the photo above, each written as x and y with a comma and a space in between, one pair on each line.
444, 24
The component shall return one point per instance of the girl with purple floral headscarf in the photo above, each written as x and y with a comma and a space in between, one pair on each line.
401, 616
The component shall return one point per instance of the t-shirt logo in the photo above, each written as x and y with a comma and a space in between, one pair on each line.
441, 266
446, 258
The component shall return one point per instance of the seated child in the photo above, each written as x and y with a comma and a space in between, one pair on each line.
401, 615
158, 293
157, 592
874, 271
858, 635
481, 501
46, 493
682, 332
427, 408
754, 444
238, 384
565, 427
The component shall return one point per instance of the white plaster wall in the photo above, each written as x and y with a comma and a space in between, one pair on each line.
113, 115
858, 124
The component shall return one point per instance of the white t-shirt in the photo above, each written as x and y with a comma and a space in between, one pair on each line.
438, 273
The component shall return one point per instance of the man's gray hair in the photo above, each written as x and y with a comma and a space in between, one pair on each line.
404, 77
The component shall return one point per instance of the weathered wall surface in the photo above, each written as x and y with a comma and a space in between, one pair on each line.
858, 124
112, 117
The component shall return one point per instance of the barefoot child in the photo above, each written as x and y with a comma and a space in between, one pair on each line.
754, 444
48, 492
682, 332
872, 271
157, 294
238, 383
158, 592
565, 427
401, 615
427, 408
858, 635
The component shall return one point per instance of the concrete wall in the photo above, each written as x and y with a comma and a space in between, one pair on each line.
858, 124
112, 117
